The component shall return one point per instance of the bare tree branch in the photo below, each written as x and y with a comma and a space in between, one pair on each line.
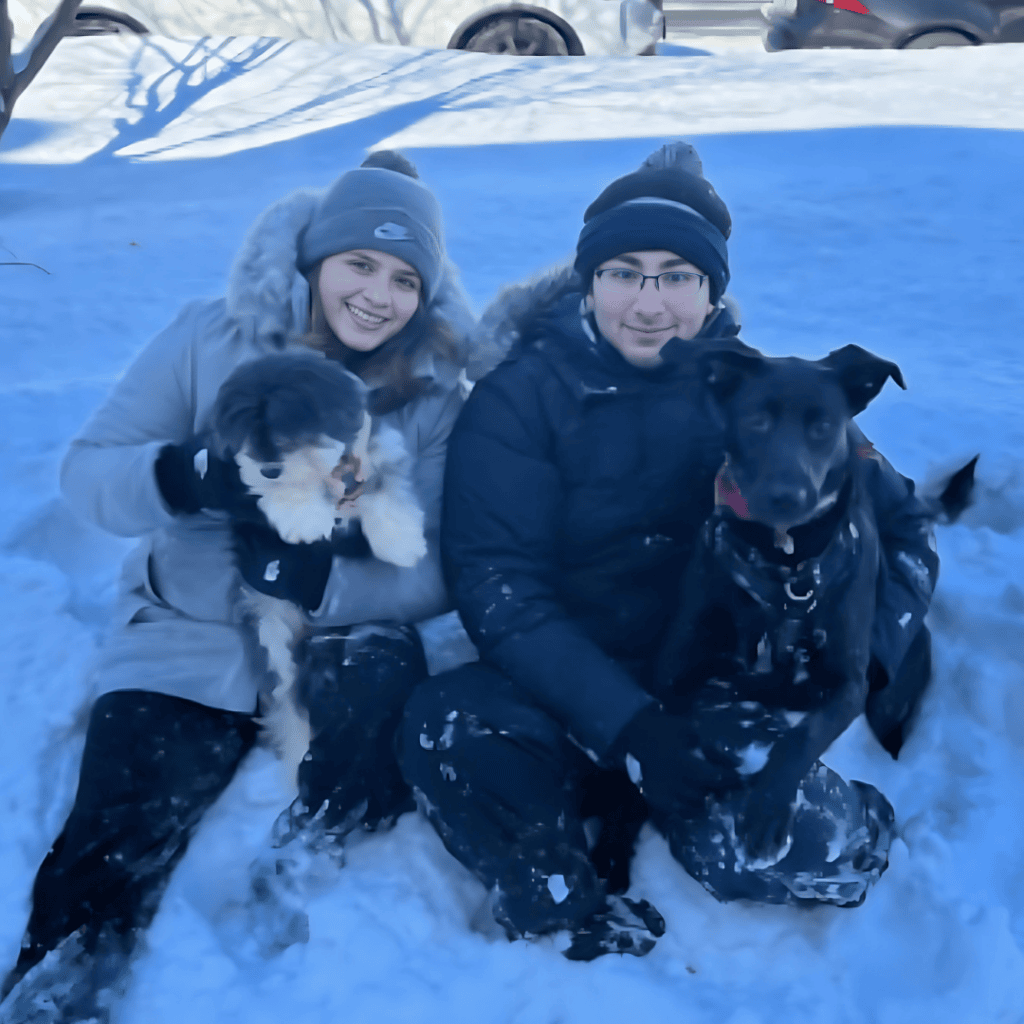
374, 23
18, 70
396, 12
22, 264
6, 68
335, 21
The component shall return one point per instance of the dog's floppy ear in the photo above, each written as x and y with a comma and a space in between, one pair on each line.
723, 370
861, 374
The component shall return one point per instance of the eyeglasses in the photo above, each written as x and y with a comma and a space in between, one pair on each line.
676, 282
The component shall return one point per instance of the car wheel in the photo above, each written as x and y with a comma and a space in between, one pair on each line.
517, 31
99, 21
930, 40
518, 36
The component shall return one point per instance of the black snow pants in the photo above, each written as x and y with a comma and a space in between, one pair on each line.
151, 767
549, 832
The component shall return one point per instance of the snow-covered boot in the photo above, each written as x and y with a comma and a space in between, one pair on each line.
621, 926
303, 858
68, 986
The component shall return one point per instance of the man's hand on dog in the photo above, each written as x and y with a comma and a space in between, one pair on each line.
663, 756
764, 820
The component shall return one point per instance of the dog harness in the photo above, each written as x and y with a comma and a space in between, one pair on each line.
787, 595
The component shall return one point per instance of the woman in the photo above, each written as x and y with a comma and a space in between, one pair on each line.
358, 272
578, 476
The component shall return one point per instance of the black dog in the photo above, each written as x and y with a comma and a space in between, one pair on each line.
778, 601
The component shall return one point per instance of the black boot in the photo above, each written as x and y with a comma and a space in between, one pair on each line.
621, 926
72, 984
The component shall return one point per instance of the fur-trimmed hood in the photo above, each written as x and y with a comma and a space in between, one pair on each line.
267, 297
518, 312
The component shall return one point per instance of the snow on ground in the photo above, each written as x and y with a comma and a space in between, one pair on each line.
876, 199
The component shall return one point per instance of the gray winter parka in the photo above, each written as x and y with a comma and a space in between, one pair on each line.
176, 629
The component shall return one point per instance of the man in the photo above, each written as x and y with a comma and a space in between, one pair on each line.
578, 476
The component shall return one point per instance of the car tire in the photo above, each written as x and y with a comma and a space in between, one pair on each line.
517, 31
932, 40
101, 21
775, 38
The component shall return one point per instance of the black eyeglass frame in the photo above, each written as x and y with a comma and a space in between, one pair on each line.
653, 277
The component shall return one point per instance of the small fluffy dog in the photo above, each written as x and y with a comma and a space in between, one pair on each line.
297, 425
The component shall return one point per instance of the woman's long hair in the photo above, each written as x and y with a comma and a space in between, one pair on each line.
388, 369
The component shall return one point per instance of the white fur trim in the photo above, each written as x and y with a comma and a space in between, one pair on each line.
502, 322
262, 277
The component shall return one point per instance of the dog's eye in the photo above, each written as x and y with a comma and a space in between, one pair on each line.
820, 430
270, 472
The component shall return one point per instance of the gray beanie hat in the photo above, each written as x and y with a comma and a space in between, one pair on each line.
377, 208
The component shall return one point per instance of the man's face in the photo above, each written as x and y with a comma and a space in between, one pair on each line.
639, 320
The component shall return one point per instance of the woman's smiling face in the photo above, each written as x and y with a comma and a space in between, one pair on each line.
368, 296
639, 322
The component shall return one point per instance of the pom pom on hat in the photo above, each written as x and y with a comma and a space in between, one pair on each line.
391, 160
673, 172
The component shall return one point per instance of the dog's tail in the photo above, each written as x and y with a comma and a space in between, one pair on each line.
957, 494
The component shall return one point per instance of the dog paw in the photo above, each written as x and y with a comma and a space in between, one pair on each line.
394, 530
302, 524
401, 548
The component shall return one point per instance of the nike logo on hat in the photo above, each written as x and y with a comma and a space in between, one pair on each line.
392, 232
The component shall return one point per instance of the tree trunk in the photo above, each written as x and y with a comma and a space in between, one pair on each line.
18, 70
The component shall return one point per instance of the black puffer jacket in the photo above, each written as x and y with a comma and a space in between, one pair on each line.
574, 489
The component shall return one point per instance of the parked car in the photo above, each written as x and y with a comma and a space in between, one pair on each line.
897, 24
712, 17
535, 28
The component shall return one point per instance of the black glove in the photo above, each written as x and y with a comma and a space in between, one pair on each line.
764, 817
674, 772
291, 572
191, 477
350, 541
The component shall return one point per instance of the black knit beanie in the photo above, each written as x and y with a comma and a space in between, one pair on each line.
666, 204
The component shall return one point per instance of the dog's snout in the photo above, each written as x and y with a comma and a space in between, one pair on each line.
270, 472
787, 497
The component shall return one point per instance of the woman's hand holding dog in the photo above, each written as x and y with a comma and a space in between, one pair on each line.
191, 477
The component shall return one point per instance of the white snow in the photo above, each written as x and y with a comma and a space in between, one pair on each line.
557, 887
876, 199
753, 757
